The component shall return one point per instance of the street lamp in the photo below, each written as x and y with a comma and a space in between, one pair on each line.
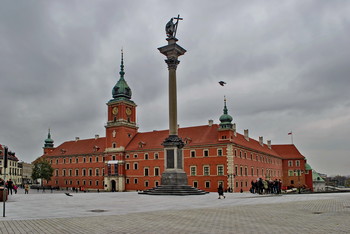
299, 172
231, 176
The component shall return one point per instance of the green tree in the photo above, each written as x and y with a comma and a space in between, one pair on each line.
42, 170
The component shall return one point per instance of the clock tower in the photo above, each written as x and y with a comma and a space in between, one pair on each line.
121, 123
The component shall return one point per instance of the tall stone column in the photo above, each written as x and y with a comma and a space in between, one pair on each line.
173, 144
174, 179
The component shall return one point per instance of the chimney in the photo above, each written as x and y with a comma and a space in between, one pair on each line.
269, 144
97, 136
261, 140
210, 122
77, 138
246, 134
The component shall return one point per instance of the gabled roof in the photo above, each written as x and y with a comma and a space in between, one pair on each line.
316, 177
288, 151
86, 146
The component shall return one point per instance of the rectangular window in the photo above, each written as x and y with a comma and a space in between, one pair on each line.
290, 163
193, 154
290, 173
206, 170
207, 184
195, 184
193, 170
156, 171
219, 152
156, 156
136, 166
206, 153
220, 170
146, 156
297, 163
127, 181
146, 183
127, 166
146, 171
252, 171
136, 181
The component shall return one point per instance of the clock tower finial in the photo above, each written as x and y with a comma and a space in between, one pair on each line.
121, 90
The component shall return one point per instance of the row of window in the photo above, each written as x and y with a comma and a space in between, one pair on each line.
206, 170
294, 172
10, 163
76, 160
84, 172
290, 163
206, 153
83, 182
260, 158
12, 171
243, 171
146, 156
207, 184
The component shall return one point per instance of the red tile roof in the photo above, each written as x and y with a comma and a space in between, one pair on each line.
288, 151
253, 144
86, 146
199, 135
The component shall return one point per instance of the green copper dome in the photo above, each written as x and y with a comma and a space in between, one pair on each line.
121, 90
225, 119
48, 141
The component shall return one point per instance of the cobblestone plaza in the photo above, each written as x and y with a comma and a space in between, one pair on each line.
130, 212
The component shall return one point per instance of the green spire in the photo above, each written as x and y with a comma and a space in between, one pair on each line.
121, 90
225, 119
48, 141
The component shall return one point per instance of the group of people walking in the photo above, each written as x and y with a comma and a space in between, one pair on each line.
12, 187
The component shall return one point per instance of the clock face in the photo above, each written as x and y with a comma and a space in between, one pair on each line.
115, 110
128, 111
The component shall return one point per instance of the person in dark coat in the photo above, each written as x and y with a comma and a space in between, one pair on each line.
221, 191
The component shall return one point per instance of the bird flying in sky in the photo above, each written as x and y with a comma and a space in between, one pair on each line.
222, 83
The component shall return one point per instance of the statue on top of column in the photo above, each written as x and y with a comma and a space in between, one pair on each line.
171, 27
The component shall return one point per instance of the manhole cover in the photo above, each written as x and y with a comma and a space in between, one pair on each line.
98, 211
317, 212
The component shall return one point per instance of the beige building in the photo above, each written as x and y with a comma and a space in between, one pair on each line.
13, 172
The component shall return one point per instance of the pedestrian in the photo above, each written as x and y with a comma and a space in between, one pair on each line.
9, 186
26, 189
15, 188
221, 191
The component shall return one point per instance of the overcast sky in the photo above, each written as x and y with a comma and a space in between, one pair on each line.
286, 65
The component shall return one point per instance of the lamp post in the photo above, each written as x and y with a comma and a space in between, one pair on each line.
299, 172
6, 152
231, 176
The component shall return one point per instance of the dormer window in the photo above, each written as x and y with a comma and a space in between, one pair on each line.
142, 144
187, 140
96, 148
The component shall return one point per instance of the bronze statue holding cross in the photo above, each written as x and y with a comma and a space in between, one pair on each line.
171, 28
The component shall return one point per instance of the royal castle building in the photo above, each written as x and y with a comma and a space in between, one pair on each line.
129, 160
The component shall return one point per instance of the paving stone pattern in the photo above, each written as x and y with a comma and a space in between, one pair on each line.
238, 213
